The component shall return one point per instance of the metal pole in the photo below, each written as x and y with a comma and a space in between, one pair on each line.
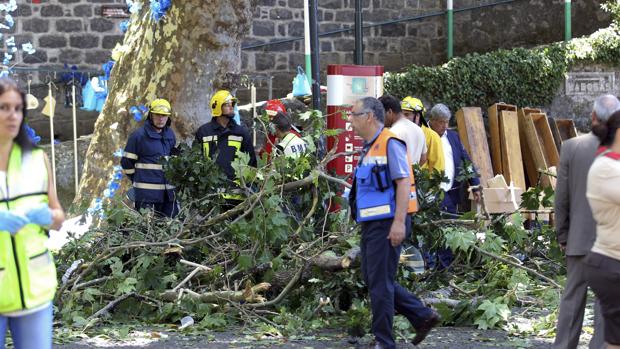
75, 144
307, 41
314, 44
567, 21
52, 104
450, 14
253, 101
359, 33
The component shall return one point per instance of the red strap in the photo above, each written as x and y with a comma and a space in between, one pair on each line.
613, 155
601, 150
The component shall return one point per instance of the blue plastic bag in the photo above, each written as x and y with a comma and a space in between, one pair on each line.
88, 97
301, 87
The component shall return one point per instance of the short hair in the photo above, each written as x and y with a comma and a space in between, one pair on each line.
440, 111
391, 103
371, 104
282, 122
605, 106
606, 131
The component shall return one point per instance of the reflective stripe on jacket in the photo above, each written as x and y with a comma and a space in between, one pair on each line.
141, 163
27, 271
374, 189
223, 143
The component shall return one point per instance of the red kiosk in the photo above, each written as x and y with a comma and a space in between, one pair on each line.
345, 85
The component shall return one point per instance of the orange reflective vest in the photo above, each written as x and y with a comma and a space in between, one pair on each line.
374, 190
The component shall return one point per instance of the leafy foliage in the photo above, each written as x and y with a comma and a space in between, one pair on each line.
524, 77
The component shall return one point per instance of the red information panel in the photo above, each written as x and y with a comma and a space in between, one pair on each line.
345, 85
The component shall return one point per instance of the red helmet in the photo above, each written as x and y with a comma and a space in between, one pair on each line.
273, 106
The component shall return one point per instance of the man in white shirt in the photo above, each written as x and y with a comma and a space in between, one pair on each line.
404, 129
290, 144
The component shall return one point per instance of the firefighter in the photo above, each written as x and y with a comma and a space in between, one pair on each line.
142, 157
414, 110
272, 107
289, 142
222, 137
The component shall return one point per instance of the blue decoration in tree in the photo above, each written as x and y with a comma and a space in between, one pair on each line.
159, 8
107, 69
32, 134
124, 25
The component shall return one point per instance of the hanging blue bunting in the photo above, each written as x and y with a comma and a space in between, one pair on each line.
159, 8
124, 25
134, 6
138, 112
107, 69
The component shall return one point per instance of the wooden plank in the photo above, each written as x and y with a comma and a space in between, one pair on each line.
567, 128
512, 162
557, 138
526, 153
494, 133
552, 156
474, 137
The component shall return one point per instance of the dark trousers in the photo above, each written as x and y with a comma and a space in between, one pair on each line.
379, 266
166, 208
572, 307
603, 274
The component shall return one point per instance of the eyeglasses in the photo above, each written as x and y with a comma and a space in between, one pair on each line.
350, 113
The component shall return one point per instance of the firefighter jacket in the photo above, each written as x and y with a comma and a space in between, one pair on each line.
223, 143
141, 162
373, 196
27, 271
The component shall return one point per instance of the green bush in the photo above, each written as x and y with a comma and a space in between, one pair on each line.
524, 77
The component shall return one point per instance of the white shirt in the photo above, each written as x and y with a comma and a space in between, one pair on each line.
447, 155
292, 146
413, 136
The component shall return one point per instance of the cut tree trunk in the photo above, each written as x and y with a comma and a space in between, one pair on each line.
185, 57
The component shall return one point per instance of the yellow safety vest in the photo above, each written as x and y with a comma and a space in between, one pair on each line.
27, 271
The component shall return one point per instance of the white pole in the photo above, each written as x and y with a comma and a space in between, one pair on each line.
75, 145
253, 101
307, 41
52, 110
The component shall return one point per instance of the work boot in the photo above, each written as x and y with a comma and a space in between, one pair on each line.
422, 331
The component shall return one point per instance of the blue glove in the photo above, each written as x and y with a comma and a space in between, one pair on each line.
11, 222
41, 215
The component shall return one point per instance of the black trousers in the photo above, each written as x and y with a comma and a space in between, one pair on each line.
166, 209
379, 267
603, 274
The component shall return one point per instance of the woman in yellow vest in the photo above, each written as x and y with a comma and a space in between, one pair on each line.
28, 207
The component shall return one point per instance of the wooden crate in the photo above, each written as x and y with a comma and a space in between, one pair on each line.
557, 138
494, 133
545, 137
541, 144
526, 153
474, 137
512, 161
567, 128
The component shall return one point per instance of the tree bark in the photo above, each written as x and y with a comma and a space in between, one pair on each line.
194, 50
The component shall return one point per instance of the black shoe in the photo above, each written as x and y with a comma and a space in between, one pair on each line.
422, 332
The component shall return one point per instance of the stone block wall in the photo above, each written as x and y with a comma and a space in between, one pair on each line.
67, 31
395, 46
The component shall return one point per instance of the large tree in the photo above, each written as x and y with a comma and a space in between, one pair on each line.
184, 57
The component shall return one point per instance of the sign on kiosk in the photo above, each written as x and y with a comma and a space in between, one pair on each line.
345, 85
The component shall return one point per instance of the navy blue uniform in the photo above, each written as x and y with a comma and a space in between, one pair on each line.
380, 258
223, 143
141, 163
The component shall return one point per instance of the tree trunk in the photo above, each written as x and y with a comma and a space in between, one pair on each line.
191, 52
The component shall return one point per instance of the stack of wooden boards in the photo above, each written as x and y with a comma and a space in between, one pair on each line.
524, 143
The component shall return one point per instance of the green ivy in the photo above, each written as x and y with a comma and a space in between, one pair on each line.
524, 77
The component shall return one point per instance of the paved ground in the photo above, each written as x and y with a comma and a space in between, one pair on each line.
442, 338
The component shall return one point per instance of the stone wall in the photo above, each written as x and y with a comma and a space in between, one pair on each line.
519, 23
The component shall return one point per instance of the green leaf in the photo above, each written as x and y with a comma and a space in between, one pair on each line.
458, 239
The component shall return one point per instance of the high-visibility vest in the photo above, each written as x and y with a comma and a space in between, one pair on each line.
27, 271
375, 194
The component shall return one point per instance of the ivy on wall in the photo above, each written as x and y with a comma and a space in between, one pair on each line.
524, 77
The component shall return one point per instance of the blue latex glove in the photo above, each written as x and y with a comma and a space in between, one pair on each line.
12, 222
41, 215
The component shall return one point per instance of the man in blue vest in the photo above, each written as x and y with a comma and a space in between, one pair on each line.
383, 194
141, 161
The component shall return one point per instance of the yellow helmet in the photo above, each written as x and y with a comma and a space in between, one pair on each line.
412, 104
220, 98
160, 106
